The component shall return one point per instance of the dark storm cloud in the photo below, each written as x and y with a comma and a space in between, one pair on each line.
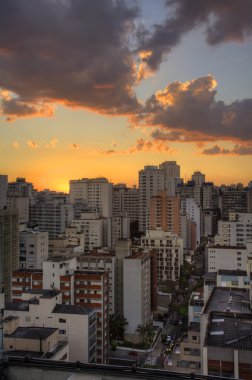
238, 150
225, 20
189, 112
73, 52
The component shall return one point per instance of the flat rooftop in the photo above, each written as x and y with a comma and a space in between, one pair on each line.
45, 293
17, 306
232, 300
32, 332
228, 247
232, 272
72, 309
230, 331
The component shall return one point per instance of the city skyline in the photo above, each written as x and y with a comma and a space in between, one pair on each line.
105, 90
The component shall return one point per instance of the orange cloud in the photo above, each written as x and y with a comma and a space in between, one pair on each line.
32, 144
52, 143
140, 146
74, 146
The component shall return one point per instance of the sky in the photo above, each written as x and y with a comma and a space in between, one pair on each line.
103, 88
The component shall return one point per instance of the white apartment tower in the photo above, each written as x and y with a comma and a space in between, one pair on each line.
136, 293
95, 192
237, 231
125, 201
171, 176
33, 249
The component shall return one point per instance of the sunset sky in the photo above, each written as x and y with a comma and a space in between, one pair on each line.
104, 87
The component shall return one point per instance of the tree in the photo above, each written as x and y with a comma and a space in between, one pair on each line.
117, 326
147, 332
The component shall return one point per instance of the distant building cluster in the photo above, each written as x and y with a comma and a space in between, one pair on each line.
70, 264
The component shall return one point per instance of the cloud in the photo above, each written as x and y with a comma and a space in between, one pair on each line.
225, 20
74, 146
75, 53
14, 107
185, 136
238, 150
149, 145
189, 111
141, 145
32, 144
52, 143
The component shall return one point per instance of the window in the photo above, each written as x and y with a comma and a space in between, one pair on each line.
62, 320
63, 332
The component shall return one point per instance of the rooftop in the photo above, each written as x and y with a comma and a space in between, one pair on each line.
228, 247
232, 272
72, 309
17, 306
138, 255
32, 332
45, 293
210, 275
224, 299
20, 271
230, 330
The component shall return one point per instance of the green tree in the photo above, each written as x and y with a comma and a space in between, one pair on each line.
147, 332
117, 326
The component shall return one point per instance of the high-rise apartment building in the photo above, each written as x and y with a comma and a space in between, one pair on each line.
20, 188
52, 216
192, 209
198, 178
171, 176
165, 212
236, 231
151, 180
169, 249
170, 168
136, 293
33, 249
21, 204
9, 249
3, 190
232, 200
92, 226
95, 192
126, 201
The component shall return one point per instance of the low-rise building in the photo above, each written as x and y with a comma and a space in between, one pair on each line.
76, 325
225, 335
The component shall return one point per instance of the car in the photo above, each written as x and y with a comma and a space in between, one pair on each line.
168, 339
